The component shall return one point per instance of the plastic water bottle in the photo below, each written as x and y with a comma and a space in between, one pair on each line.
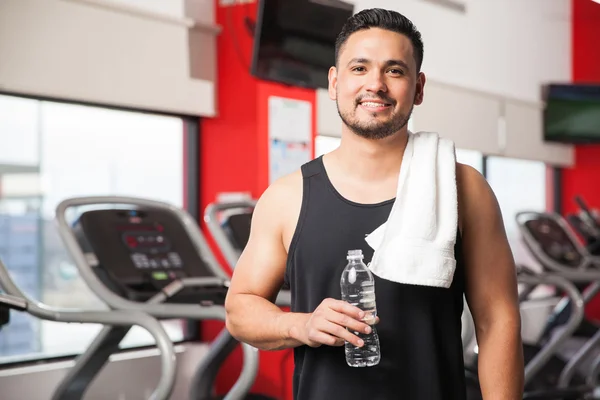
358, 289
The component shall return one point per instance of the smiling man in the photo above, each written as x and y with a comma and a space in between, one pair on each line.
304, 224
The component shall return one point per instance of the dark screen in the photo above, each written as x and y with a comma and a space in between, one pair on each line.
295, 40
572, 113
239, 227
554, 241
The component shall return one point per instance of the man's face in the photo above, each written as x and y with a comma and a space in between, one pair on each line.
376, 83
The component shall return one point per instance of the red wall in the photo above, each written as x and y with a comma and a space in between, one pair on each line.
583, 178
586, 69
234, 157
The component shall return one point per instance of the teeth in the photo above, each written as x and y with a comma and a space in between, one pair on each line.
372, 104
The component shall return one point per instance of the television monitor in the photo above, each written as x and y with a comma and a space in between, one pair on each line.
572, 113
294, 40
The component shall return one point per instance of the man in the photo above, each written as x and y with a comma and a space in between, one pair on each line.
304, 224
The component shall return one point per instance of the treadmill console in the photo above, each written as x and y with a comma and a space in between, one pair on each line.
140, 251
554, 241
237, 227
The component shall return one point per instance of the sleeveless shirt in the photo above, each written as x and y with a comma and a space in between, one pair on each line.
420, 326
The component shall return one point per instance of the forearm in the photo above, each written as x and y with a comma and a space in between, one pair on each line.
501, 361
260, 323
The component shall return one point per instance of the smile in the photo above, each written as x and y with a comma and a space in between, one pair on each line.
374, 105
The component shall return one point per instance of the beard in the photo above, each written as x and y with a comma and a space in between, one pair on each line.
374, 129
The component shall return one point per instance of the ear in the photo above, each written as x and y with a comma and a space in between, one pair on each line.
332, 83
420, 88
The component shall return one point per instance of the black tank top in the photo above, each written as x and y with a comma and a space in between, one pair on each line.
420, 326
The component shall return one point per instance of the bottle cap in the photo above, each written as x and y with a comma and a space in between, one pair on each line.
354, 254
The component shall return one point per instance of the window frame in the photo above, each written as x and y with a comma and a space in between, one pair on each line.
191, 197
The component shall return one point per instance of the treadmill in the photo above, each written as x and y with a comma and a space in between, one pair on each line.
15, 299
146, 256
556, 247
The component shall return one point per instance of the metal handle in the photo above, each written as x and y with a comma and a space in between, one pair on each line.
13, 302
117, 318
592, 222
577, 314
571, 368
211, 219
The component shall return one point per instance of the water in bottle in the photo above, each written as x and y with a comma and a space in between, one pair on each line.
358, 289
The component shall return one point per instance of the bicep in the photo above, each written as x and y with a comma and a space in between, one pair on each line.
261, 267
491, 286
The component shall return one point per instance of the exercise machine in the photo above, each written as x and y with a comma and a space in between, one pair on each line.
149, 257
565, 265
586, 224
555, 246
17, 300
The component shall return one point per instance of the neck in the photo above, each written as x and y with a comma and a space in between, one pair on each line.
371, 159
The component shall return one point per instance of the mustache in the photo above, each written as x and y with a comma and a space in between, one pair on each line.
371, 97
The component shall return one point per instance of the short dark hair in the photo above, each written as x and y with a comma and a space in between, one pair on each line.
383, 19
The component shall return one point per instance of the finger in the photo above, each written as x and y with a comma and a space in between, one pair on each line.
318, 338
339, 332
346, 308
347, 321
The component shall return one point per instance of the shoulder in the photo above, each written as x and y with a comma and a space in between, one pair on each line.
469, 179
273, 206
477, 202
281, 190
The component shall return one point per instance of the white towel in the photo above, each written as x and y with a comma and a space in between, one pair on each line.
416, 244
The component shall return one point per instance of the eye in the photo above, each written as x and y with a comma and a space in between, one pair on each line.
396, 71
358, 69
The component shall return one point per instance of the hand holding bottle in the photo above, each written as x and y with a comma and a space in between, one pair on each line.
333, 323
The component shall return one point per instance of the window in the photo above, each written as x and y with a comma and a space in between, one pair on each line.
52, 151
519, 185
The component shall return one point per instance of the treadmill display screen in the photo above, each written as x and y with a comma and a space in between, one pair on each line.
134, 246
141, 251
149, 247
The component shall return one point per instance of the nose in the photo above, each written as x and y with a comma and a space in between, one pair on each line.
376, 82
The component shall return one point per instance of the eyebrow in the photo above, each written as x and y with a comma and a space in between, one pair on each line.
388, 63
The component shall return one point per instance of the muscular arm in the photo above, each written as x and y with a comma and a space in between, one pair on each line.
252, 316
491, 288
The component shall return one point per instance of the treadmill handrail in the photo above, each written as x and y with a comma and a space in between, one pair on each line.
166, 382
211, 219
541, 358
12, 302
